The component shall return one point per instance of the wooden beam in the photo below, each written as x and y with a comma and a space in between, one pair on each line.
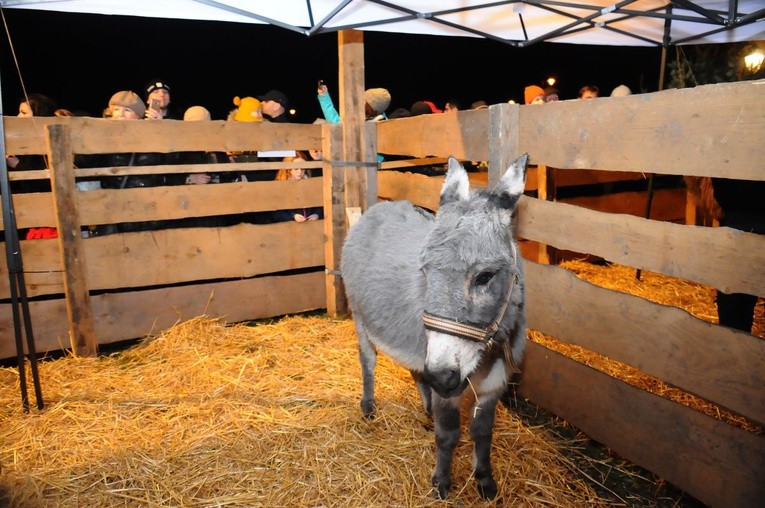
82, 331
335, 226
709, 130
352, 116
718, 463
725, 258
135, 314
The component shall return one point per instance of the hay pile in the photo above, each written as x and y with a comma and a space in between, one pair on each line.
213, 415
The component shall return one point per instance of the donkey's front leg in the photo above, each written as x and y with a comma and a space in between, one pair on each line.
481, 429
446, 418
368, 359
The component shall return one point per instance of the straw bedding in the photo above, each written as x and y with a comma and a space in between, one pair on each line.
212, 415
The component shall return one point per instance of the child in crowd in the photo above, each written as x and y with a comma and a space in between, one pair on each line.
301, 214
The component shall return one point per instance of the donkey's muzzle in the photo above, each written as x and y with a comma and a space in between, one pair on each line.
446, 382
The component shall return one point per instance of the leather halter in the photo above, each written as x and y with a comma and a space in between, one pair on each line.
467, 331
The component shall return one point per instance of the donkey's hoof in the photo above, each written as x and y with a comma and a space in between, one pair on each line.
368, 409
442, 486
487, 488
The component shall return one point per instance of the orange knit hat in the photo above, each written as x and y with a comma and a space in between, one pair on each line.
532, 92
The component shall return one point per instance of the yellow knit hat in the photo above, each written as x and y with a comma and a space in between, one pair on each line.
248, 110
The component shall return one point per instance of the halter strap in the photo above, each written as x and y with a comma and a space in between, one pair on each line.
466, 330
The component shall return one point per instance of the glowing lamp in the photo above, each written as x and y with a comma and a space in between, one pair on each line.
754, 60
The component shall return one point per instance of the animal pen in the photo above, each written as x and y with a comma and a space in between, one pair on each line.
86, 292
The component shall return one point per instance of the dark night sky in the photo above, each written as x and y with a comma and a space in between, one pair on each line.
81, 60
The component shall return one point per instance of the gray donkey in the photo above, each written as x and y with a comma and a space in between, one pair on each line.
443, 297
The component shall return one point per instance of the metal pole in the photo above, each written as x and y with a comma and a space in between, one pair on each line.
667, 39
17, 283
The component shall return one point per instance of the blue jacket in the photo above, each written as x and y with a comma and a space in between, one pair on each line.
332, 116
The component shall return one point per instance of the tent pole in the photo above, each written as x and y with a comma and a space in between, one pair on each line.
662, 67
17, 283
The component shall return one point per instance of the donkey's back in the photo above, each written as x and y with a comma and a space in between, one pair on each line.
380, 265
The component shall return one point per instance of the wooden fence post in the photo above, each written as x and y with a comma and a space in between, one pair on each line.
81, 327
335, 227
546, 190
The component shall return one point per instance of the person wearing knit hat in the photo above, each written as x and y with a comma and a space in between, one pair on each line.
126, 105
249, 109
196, 114
433, 107
621, 91
551, 94
420, 108
533, 94
201, 114
158, 101
378, 100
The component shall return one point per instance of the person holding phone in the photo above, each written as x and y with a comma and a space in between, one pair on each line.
158, 101
376, 102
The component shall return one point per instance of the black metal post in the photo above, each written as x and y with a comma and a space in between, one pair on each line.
19, 301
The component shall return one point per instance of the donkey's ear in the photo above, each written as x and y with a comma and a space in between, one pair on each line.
456, 185
511, 185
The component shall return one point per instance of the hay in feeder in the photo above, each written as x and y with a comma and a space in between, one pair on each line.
696, 299
213, 415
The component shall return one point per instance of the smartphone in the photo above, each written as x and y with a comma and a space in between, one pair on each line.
154, 104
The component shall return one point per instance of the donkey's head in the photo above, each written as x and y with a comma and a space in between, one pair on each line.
473, 276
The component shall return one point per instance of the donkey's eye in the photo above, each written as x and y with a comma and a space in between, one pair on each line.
483, 278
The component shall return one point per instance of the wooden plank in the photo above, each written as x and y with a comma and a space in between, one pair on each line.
667, 204
502, 140
372, 164
170, 256
32, 210
129, 315
711, 130
412, 163
164, 169
573, 177
463, 135
335, 226
546, 191
99, 135
424, 191
713, 461
725, 258
111, 206
719, 364
82, 331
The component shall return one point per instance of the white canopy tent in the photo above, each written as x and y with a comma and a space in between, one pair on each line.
518, 23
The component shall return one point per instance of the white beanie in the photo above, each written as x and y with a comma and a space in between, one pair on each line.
378, 98
196, 114
621, 91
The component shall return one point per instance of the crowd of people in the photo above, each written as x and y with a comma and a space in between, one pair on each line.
154, 103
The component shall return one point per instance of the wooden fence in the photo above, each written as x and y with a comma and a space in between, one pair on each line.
146, 281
